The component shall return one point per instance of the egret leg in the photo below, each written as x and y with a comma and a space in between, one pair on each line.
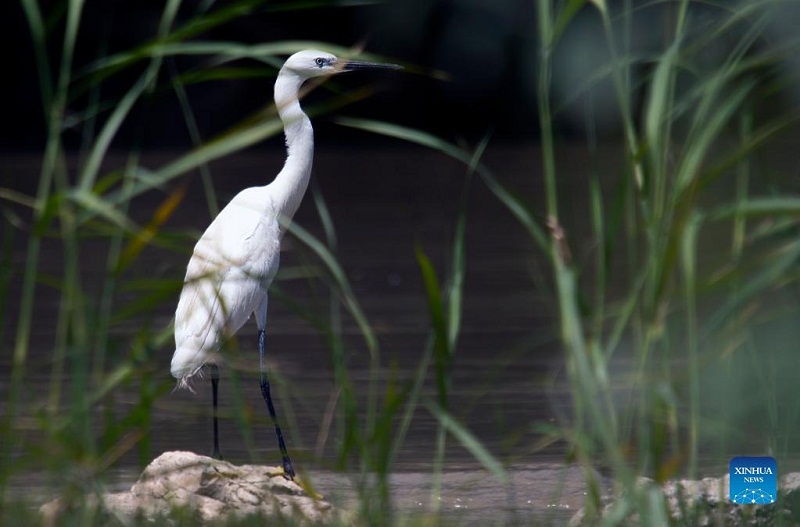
288, 471
214, 389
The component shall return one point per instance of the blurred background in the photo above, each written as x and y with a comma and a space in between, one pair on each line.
474, 63
668, 349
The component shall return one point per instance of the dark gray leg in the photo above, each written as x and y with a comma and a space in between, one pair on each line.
214, 388
288, 471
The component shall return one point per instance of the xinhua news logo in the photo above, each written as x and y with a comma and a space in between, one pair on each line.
754, 480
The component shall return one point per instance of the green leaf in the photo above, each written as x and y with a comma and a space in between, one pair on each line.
442, 351
469, 441
757, 207
514, 204
336, 271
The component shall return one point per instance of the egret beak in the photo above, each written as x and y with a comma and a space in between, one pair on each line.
352, 65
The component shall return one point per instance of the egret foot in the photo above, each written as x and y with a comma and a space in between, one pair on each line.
288, 470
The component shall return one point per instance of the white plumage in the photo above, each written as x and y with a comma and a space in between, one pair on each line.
227, 279
236, 258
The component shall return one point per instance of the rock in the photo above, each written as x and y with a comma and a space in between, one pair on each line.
208, 490
705, 502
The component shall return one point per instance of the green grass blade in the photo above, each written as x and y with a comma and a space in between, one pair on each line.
224, 145
689, 267
93, 204
342, 283
657, 112
33, 15
194, 134
755, 207
54, 114
124, 106
469, 441
436, 312
707, 132
515, 205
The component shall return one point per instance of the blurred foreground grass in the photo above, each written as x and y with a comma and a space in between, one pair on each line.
682, 262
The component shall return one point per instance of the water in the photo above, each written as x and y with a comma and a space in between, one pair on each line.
546, 494
384, 201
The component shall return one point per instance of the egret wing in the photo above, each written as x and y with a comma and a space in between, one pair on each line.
228, 275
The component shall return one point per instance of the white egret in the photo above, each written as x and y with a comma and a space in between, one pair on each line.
235, 260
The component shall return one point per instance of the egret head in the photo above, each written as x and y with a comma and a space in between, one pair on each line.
312, 63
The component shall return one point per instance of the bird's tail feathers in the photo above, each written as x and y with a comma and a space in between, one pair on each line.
187, 363
186, 383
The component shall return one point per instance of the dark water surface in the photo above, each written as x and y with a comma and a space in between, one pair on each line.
507, 374
383, 203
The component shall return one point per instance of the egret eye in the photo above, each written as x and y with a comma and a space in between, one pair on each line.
320, 62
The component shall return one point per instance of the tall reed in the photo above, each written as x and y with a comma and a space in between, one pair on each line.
680, 316
695, 132
80, 422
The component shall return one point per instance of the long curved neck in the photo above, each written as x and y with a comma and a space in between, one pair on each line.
292, 180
